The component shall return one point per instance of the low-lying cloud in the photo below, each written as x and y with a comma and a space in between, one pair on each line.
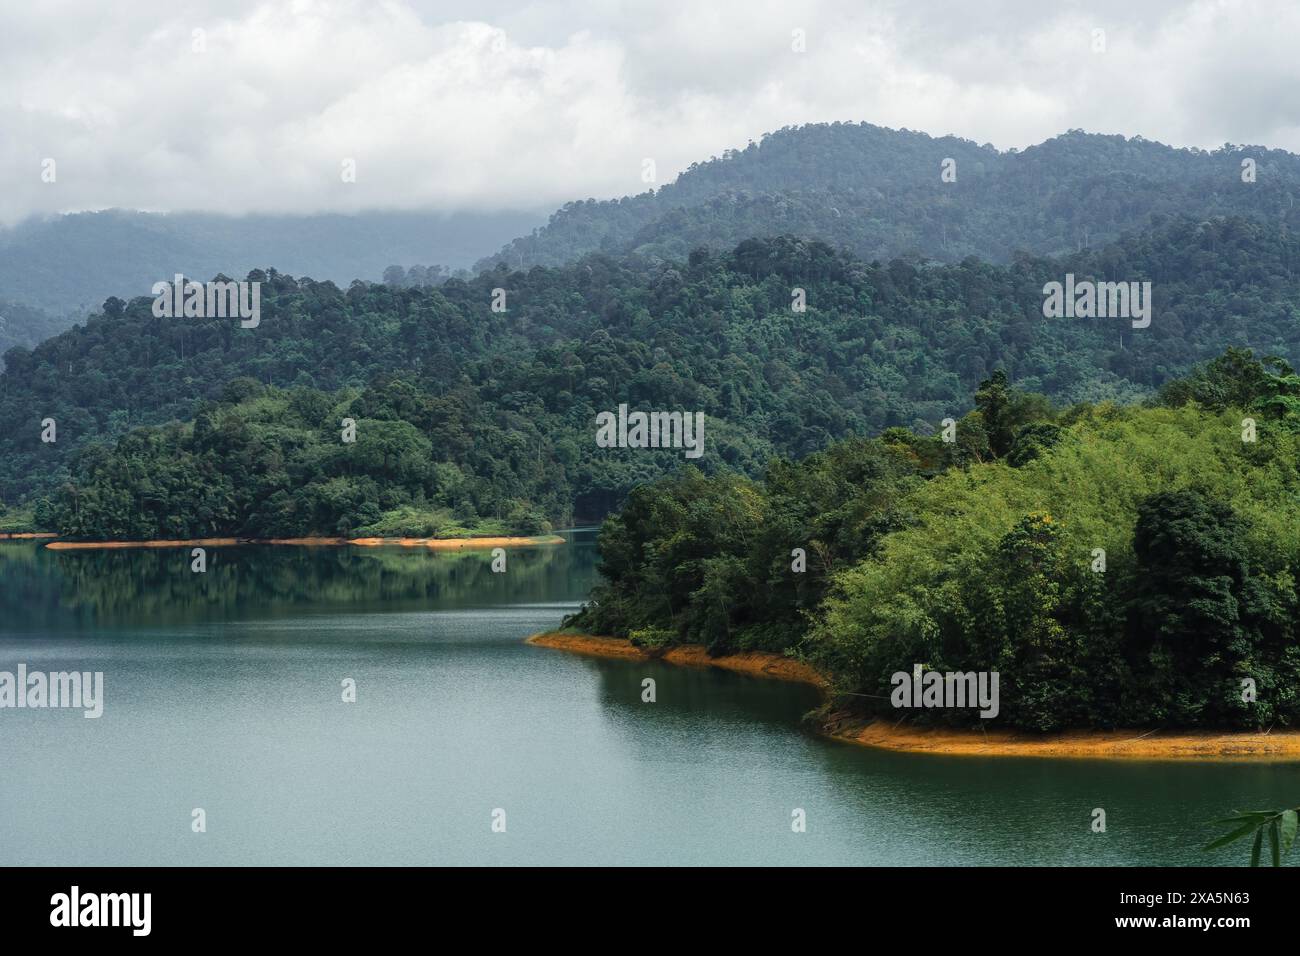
258, 107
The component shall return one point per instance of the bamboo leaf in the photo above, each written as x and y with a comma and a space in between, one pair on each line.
1244, 817
1254, 851
1234, 835
1289, 821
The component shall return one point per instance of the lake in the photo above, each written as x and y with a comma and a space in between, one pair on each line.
222, 691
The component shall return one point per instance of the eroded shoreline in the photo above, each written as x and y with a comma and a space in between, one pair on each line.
754, 663
433, 544
1281, 745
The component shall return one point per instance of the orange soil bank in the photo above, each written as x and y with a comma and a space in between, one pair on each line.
456, 544
886, 734
1133, 744
756, 663
436, 544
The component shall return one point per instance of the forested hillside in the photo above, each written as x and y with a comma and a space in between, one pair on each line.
510, 398
24, 325
1118, 566
878, 193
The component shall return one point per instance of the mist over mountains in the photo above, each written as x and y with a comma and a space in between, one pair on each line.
879, 194
875, 192
70, 264
918, 287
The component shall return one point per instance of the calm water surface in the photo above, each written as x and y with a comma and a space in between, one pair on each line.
223, 692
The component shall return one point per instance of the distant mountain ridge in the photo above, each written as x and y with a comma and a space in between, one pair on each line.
68, 265
879, 194
874, 192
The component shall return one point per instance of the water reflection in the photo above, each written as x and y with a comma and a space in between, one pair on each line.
47, 590
223, 688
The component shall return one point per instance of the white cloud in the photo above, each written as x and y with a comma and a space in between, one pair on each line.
493, 105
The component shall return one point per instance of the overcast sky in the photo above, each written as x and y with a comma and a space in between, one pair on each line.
497, 105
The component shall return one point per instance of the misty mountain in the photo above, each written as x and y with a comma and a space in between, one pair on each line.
880, 193
24, 325
68, 265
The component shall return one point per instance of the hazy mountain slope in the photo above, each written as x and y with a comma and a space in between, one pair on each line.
879, 193
24, 325
71, 264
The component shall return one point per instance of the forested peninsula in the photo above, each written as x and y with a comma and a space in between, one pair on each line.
1119, 566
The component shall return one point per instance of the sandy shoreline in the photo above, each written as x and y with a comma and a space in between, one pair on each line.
432, 544
26, 535
888, 735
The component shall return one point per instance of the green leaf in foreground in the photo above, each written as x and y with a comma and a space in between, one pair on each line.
1289, 820
1280, 825
1235, 835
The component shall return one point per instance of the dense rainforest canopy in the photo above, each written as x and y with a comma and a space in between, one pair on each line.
500, 406
878, 193
25, 325
1118, 566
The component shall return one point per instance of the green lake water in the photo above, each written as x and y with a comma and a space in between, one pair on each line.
223, 692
